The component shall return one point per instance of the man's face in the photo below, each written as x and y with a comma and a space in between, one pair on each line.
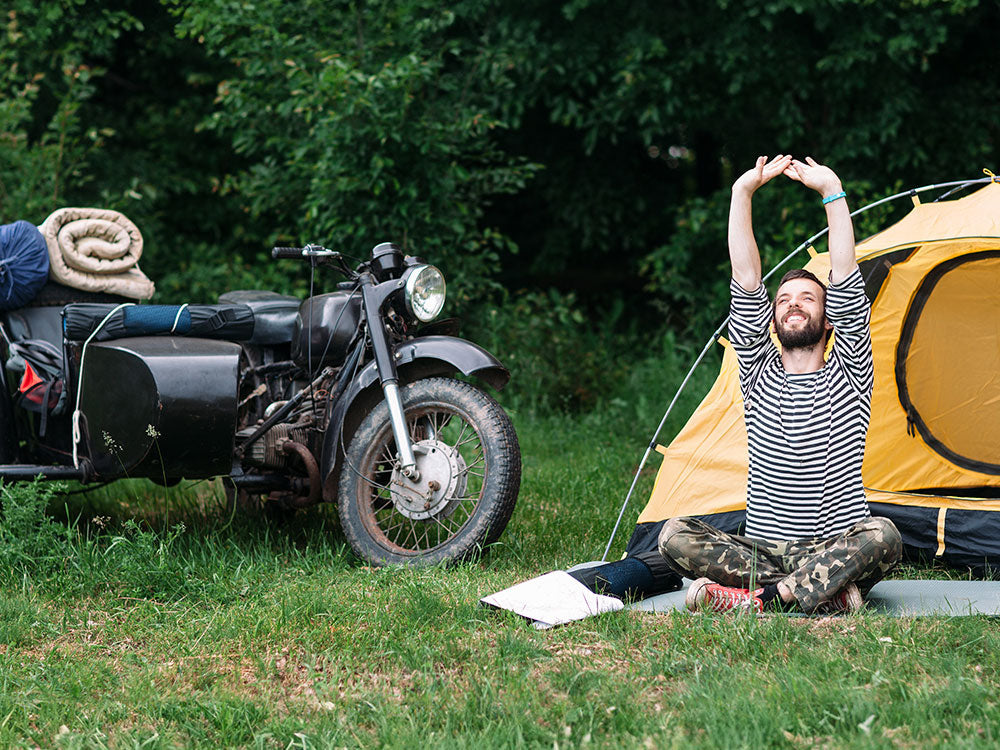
799, 316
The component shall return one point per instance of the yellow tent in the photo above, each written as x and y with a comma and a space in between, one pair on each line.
932, 460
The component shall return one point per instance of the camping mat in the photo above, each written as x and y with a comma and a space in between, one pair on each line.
96, 250
905, 598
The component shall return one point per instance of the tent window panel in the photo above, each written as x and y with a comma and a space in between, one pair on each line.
876, 270
949, 361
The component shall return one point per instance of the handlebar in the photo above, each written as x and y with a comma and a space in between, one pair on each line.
309, 251
288, 252
316, 254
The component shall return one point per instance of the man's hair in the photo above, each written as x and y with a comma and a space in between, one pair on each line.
799, 273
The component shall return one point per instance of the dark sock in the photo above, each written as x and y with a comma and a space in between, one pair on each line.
772, 600
769, 593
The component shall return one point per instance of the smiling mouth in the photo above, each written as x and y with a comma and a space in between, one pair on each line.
794, 317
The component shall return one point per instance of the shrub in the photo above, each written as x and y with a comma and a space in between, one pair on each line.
31, 543
560, 358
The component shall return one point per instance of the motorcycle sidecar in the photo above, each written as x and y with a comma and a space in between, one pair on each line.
160, 407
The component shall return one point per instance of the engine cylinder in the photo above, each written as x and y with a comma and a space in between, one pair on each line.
267, 452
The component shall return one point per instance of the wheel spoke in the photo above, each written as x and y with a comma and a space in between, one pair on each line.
459, 441
441, 521
449, 530
469, 439
389, 529
387, 456
411, 532
479, 460
426, 537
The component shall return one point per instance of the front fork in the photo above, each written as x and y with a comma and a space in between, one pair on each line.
373, 296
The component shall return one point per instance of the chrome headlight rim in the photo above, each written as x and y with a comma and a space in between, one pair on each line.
421, 311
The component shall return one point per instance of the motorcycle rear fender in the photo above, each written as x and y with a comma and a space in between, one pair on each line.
424, 357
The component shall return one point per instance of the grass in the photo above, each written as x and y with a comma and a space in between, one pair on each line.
133, 617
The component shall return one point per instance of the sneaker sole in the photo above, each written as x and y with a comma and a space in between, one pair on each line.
853, 601
696, 594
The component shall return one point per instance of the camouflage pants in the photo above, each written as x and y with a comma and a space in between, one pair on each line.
814, 570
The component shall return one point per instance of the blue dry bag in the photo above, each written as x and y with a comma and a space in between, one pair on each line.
24, 264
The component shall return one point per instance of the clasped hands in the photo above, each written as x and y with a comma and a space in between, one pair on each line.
811, 174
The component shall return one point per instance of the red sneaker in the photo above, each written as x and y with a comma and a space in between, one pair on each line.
705, 594
846, 600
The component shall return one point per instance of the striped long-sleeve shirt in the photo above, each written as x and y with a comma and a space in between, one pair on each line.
805, 431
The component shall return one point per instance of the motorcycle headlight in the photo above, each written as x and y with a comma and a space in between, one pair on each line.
424, 292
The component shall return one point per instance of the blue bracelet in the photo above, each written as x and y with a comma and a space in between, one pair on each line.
834, 197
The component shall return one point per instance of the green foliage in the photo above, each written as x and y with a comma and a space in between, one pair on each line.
280, 639
50, 62
31, 544
363, 124
581, 146
689, 275
137, 561
560, 358
663, 103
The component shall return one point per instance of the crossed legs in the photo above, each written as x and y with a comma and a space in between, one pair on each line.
812, 570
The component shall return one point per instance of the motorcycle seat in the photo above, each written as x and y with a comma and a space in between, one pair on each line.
274, 314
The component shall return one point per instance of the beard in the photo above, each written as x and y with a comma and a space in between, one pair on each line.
805, 337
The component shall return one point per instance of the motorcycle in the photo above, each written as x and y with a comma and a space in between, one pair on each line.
350, 397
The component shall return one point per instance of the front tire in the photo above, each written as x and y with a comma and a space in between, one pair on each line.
470, 464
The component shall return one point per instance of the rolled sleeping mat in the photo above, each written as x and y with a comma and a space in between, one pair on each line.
24, 264
226, 322
96, 250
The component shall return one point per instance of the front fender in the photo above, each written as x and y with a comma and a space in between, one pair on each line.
415, 359
423, 357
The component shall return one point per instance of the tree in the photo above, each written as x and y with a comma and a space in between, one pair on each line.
50, 61
364, 122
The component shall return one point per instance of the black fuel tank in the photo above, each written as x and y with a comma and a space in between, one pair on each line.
330, 320
160, 406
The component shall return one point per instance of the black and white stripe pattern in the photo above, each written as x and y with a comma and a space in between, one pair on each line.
805, 432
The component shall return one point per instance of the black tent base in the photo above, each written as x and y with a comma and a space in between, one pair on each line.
964, 539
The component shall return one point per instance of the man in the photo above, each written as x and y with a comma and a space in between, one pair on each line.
810, 541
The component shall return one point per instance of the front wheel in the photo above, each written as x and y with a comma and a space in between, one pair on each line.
469, 467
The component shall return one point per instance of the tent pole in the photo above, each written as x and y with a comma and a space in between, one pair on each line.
718, 331
652, 442
628, 496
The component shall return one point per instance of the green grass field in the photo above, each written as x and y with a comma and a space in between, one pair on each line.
133, 618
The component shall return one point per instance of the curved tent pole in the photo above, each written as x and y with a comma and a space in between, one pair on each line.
722, 326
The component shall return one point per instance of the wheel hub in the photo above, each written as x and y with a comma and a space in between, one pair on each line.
442, 481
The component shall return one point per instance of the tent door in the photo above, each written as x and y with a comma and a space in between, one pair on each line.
948, 361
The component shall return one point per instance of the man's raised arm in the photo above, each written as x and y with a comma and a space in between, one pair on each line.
838, 216
743, 251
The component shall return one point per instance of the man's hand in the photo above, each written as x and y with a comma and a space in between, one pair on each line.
821, 179
763, 172
743, 250
841, 238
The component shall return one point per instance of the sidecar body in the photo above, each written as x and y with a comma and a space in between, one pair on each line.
162, 407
